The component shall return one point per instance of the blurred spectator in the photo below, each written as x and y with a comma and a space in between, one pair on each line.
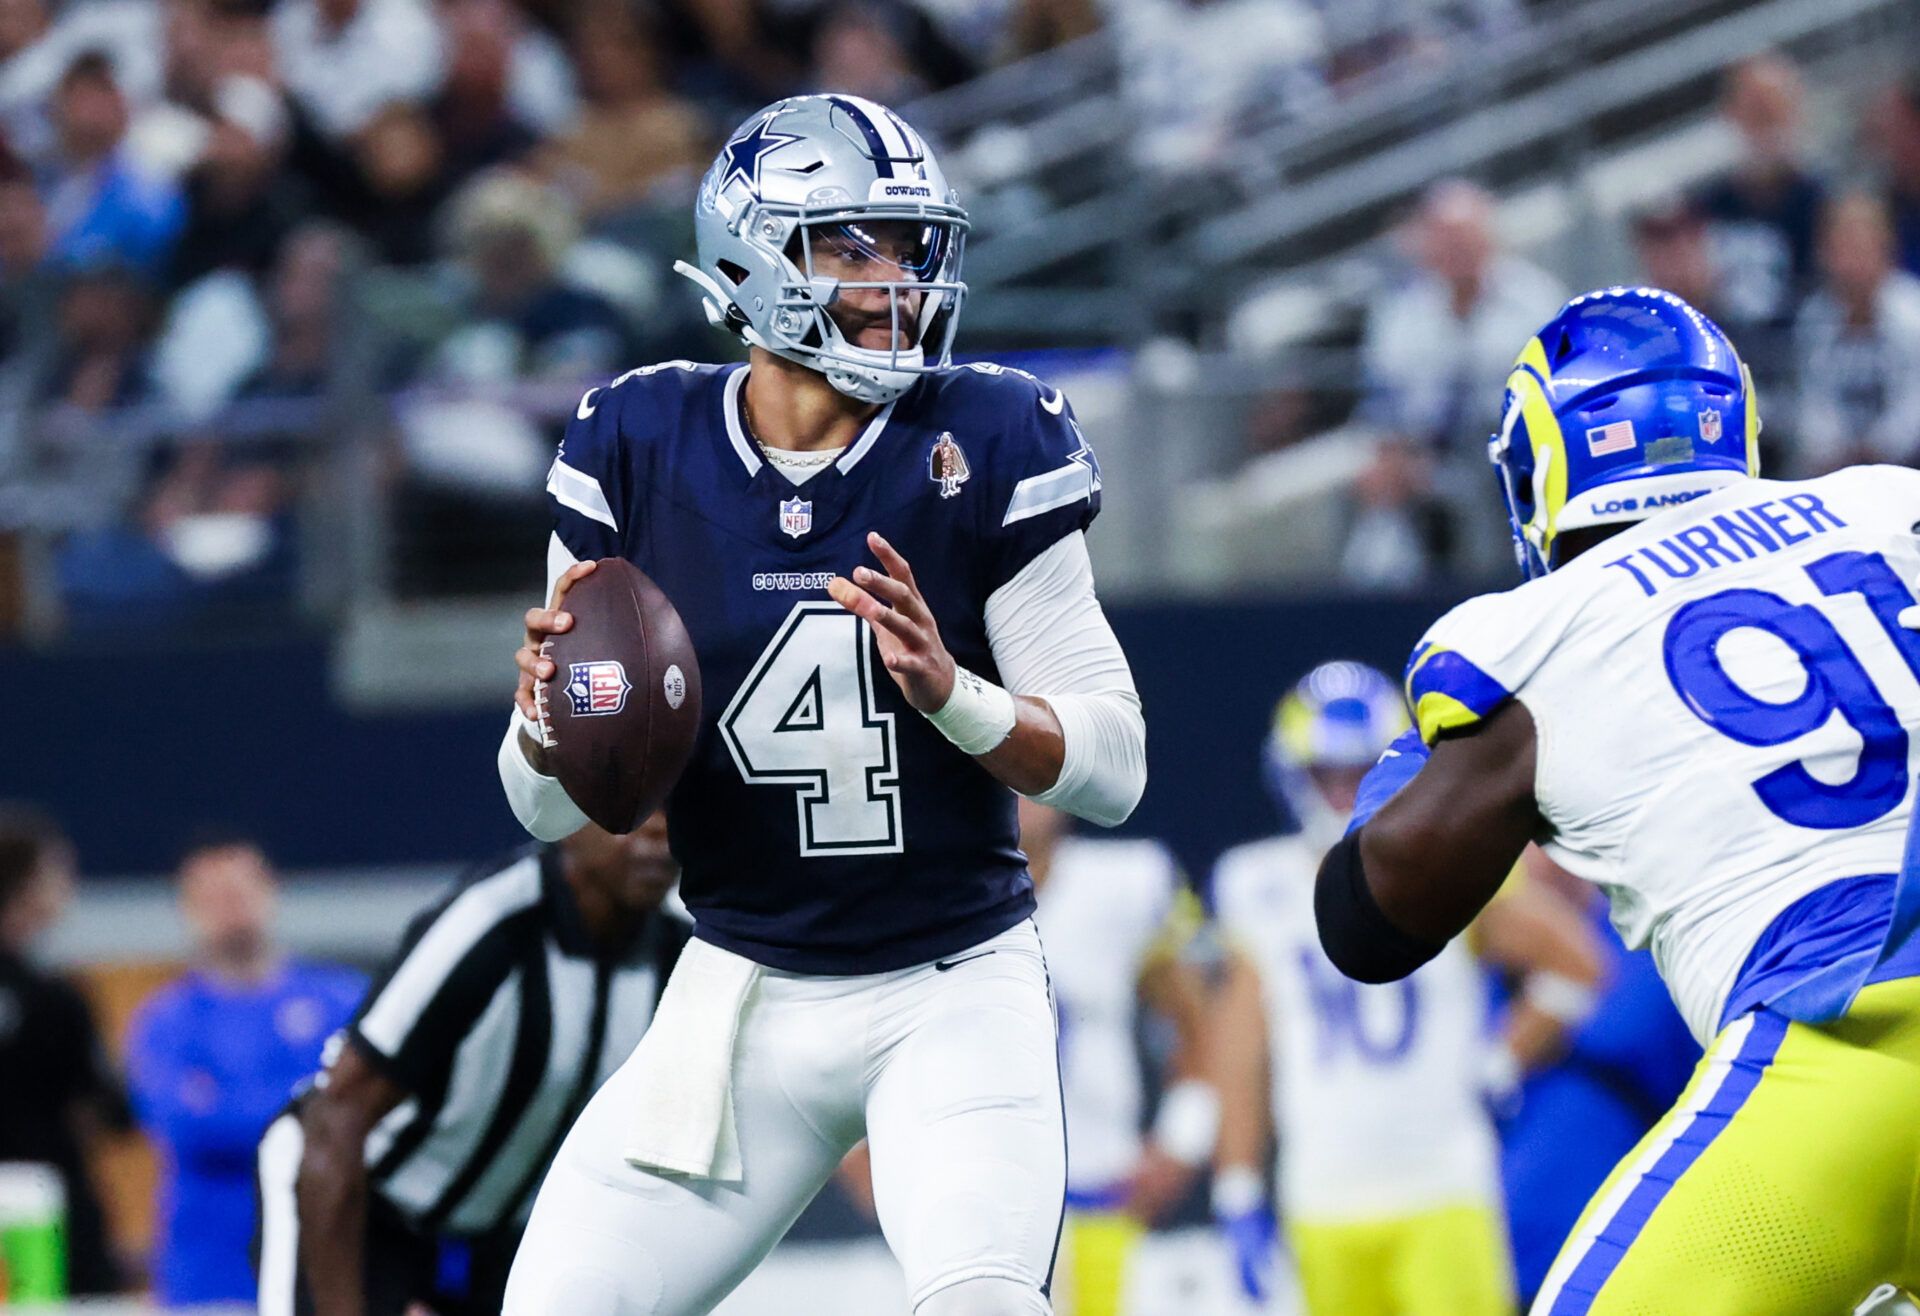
213, 1057
28, 288
39, 42
474, 113
392, 182
1858, 345
343, 61
305, 309
102, 203
635, 136
542, 83
1199, 73
1764, 212
99, 358
510, 235
241, 202
1670, 239
58, 1092
860, 48
211, 539
1436, 354
1894, 135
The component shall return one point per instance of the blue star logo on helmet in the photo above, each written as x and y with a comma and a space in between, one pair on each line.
744, 155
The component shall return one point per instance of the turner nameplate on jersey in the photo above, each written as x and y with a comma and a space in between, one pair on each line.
895, 847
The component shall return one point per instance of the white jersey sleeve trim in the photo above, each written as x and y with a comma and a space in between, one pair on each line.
1051, 641
1060, 487
581, 492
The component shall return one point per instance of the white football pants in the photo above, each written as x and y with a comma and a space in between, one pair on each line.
950, 1074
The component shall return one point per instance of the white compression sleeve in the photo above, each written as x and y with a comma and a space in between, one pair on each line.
540, 802
1051, 641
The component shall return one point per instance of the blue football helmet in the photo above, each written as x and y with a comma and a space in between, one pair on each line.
1627, 402
1342, 715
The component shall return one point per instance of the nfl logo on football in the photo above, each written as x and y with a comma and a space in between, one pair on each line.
796, 516
597, 688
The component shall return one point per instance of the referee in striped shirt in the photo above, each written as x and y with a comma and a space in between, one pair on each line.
405, 1174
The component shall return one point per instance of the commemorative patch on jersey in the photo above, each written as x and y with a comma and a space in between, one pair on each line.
597, 688
796, 516
947, 466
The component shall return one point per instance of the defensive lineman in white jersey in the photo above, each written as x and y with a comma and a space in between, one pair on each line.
1388, 1179
1118, 921
1704, 700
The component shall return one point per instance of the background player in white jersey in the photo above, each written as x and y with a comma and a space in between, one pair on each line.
1388, 1180
880, 562
1118, 921
1704, 700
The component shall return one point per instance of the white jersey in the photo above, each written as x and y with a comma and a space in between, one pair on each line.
1102, 908
1723, 698
1377, 1100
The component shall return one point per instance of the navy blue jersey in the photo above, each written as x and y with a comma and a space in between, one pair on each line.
824, 826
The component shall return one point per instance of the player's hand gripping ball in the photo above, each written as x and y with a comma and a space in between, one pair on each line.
616, 691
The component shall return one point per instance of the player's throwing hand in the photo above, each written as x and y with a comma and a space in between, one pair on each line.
902, 623
541, 623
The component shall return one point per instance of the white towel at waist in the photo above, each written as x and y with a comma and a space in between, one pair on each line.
682, 1121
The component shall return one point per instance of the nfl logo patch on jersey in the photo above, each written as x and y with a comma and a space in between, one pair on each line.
1710, 425
796, 516
597, 688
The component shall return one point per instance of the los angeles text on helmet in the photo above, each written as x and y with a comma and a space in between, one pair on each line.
1728, 539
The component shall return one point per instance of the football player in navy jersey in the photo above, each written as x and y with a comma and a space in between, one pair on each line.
880, 559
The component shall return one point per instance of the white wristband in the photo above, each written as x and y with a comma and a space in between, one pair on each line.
977, 717
1237, 1189
1560, 997
1188, 1121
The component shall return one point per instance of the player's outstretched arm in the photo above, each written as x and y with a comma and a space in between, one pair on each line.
1394, 892
1074, 741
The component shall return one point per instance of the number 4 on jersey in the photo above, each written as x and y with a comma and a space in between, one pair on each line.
806, 718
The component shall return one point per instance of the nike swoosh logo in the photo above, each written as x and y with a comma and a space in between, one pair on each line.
1054, 405
586, 412
942, 966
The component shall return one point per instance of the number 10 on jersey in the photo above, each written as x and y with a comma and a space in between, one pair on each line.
807, 719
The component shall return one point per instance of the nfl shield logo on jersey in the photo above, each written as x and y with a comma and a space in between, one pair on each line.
597, 688
796, 516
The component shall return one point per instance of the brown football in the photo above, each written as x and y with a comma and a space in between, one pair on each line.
623, 708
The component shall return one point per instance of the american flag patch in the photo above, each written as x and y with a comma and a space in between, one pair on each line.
1605, 440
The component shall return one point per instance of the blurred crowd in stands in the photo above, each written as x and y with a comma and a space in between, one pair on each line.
230, 228
1815, 274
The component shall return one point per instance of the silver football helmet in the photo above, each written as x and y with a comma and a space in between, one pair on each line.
809, 188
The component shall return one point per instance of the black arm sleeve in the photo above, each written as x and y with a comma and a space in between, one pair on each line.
1357, 936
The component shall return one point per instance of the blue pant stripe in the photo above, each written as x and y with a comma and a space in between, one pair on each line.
1607, 1251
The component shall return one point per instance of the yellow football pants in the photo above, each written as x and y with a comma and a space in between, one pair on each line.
1783, 1182
1447, 1262
1096, 1247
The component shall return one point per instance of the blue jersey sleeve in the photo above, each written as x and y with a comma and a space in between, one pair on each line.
1048, 484
590, 485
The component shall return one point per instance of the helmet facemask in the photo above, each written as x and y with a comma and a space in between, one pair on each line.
798, 249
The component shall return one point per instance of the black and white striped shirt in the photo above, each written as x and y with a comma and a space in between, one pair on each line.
500, 1019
